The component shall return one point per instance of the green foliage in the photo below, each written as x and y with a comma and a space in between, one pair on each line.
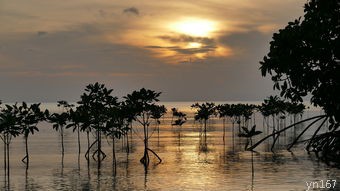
304, 57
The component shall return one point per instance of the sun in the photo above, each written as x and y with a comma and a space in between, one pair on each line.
194, 27
194, 45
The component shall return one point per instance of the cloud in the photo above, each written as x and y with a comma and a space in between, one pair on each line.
205, 44
41, 33
187, 38
247, 43
64, 62
131, 10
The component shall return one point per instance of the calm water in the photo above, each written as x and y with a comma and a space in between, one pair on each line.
190, 162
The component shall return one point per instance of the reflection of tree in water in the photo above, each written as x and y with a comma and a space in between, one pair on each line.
30, 183
203, 146
177, 120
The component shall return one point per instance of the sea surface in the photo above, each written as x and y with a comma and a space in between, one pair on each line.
190, 161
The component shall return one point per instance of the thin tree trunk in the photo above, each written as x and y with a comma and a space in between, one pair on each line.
127, 143
158, 133
114, 162
62, 140
98, 148
233, 131
239, 124
88, 143
223, 128
5, 155
78, 140
145, 159
123, 142
27, 156
8, 159
273, 127
113, 151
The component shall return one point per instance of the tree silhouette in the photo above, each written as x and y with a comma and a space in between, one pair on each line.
117, 125
76, 119
30, 116
129, 113
249, 134
204, 112
97, 101
142, 103
158, 112
9, 128
181, 117
224, 111
304, 58
59, 121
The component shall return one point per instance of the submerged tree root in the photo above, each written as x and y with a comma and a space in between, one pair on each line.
284, 129
101, 153
145, 160
25, 159
88, 150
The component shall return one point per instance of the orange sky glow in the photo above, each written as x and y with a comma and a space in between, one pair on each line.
140, 40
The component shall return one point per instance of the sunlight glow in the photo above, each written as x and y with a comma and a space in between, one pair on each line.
194, 45
194, 27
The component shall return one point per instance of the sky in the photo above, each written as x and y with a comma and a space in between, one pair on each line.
206, 50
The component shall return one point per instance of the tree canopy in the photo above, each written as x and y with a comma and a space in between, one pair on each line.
304, 57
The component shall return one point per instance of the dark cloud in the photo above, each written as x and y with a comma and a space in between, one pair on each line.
207, 44
41, 33
187, 39
193, 50
251, 41
162, 47
131, 10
